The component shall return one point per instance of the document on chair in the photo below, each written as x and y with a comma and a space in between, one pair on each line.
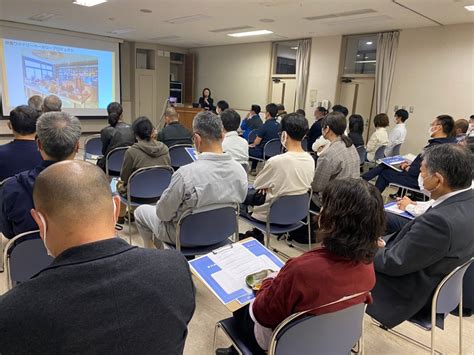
224, 270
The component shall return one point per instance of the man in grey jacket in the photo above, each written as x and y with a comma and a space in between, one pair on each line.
214, 179
100, 295
428, 248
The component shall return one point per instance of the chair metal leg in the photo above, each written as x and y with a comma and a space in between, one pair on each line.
2, 261
460, 322
214, 344
129, 224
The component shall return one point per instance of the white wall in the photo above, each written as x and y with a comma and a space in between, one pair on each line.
435, 74
323, 71
239, 74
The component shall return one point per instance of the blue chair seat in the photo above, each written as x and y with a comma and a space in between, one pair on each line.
274, 228
231, 327
200, 250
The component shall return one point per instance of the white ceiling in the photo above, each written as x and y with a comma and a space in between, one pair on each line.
288, 16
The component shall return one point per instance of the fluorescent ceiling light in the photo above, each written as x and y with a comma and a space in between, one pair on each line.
294, 48
365, 61
251, 33
89, 3
469, 7
369, 43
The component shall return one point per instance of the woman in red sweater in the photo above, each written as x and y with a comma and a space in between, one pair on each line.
351, 221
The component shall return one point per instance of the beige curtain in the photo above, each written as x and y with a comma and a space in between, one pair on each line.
303, 53
387, 46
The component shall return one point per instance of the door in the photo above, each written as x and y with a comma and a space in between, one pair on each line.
284, 92
358, 95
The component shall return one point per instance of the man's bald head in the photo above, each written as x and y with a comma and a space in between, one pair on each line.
52, 103
73, 191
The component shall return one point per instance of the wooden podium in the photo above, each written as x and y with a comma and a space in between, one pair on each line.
186, 115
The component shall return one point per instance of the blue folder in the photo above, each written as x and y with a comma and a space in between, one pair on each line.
405, 214
192, 153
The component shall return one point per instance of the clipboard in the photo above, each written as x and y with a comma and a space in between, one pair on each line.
192, 153
217, 270
392, 208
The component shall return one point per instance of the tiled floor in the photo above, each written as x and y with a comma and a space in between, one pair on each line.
377, 341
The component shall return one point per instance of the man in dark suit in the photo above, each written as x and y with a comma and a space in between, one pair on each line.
99, 295
421, 254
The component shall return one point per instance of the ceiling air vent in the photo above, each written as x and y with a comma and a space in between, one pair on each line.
165, 38
187, 19
42, 17
341, 14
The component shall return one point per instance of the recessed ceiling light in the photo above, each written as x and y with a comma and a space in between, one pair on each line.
146, 11
469, 7
89, 3
250, 33
369, 43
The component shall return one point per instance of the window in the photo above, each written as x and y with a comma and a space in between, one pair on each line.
360, 54
285, 62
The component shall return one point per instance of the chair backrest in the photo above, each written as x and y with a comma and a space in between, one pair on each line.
208, 226
272, 147
448, 292
362, 153
252, 135
25, 255
114, 161
468, 288
146, 185
380, 152
289, 209
396, 150
179, 156
93, 146
331, 333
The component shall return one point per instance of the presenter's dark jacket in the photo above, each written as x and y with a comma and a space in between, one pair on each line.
17, 156
16, 202
105, 297
204, 105
418, 257
115, 137
175, 133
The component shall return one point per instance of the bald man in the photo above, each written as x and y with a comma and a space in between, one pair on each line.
174, 132
100, 294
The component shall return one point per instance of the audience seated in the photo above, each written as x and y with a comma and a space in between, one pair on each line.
265, 133
117, 134
379, 137
100, 295
22, 153
215, 178
233, 144
281, 112
356, 129
251, 122
315, 130
341, 109
174, 132
339, 160
58, 139
321, 143
418, 257
398, 133
470, 132
440, 131
146, 152
36, 103
341, 267
461, 127
221, 106
290, 173
51, 103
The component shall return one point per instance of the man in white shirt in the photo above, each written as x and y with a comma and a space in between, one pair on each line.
398, 133
234, 145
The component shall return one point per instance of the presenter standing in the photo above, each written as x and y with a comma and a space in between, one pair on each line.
206, 102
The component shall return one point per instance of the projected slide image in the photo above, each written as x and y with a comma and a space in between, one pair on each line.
72, 77
83, 78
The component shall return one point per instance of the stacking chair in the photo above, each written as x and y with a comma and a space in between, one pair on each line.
403, 190
93, 147
272, 147
285, 214
362, 153
114, 161
302, 333
145, 186
468, 288
396, 150
447, 296
25, 255
380, 153
208, 228
179, 156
